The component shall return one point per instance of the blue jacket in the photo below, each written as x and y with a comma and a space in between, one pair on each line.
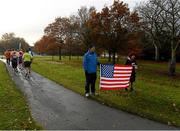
90, 62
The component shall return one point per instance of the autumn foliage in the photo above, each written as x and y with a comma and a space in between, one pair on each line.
46, 45
114, 29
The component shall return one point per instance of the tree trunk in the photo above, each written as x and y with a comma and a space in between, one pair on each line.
69, 56
70, 53
117, 58
114, 57
156, 49
109, 57
104, 55
52, 57
156, 52
172, 63
59, 53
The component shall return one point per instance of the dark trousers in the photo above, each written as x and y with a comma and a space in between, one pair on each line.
90, 80
8, 61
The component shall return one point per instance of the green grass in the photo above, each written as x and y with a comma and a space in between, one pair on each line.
14, 112
156, 95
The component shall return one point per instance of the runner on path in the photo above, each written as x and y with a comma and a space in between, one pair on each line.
14, 60
27, 59
20, 60
7, 54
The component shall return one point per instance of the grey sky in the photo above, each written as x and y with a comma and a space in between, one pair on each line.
28, 18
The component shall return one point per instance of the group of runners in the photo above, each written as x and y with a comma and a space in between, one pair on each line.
19, 60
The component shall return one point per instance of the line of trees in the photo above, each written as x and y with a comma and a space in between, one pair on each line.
154, 26
10, 41
112, 30
161, 23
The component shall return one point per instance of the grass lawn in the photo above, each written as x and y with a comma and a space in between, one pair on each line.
14, 112
156, 95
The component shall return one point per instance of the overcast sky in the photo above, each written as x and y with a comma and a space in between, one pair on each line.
28, 18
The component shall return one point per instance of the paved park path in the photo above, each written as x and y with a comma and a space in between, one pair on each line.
55, 107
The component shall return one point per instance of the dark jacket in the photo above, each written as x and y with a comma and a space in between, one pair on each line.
133, 64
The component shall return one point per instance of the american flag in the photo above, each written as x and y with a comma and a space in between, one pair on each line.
114, 77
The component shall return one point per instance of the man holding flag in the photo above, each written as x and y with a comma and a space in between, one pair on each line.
90, 63
112, 76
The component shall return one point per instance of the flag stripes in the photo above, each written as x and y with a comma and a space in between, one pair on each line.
115, 77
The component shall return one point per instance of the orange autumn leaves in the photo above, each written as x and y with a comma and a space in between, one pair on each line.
47, 45
114, 29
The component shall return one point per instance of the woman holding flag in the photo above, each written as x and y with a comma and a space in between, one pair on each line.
131, 60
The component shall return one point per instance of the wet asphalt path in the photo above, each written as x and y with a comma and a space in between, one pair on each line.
55, 107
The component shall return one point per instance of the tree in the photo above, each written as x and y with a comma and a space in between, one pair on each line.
171, 17
58, 30
153, 25
40, 46
47, 45
84, 32
112, 27
52, 46
8, 36
71, 34
163, 20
